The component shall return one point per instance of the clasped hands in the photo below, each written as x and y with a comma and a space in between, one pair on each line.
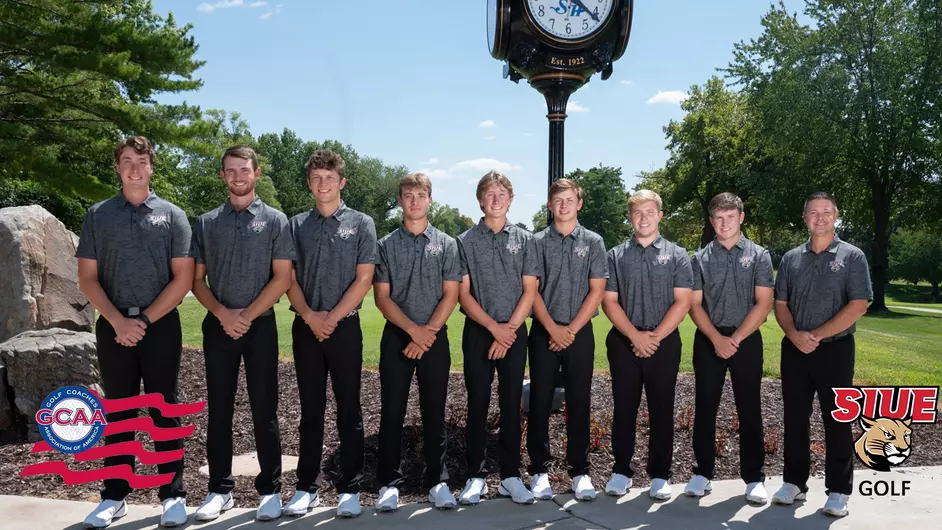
504, 337
322, 324
645, 343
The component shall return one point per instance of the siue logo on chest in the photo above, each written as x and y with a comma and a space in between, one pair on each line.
345, 232
434, 249
257, 226
158, 220
581, 251
836, 265
745, 261
514, 248
662, 259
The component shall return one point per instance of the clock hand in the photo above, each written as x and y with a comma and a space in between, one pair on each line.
591, 14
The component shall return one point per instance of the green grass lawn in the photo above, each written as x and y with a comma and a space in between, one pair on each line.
908, 295
892, 348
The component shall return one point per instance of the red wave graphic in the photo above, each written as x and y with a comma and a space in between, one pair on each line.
152, 400
146, 424
134, 447
72, 478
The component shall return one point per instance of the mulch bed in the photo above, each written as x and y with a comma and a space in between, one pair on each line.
14, 450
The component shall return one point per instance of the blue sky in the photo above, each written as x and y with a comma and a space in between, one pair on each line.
412, 83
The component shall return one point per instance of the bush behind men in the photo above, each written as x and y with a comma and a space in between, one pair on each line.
498, 273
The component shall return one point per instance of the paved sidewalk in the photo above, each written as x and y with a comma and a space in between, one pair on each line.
921, 508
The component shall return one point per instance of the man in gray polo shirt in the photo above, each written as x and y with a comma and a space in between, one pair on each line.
336, 252
822, 289
416, 289
732, 297
571, 287
647, 296
245, 248
134, 266
500, 270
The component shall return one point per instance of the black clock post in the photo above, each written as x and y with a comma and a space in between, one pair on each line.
557, 45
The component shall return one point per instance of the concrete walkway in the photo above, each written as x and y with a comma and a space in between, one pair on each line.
920, 508
923, 309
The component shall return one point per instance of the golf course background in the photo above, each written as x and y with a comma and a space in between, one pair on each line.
900, 347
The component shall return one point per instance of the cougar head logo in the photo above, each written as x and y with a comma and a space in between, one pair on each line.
884, 442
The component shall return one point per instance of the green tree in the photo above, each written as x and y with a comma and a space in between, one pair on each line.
604, 203
916, 255
76, 76
541, 219
286, 155
852, 100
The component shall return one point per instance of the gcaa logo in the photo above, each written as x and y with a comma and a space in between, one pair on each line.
71, 419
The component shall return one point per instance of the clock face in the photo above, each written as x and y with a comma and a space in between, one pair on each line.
570, 20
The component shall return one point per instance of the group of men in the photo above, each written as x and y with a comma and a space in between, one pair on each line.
139, 257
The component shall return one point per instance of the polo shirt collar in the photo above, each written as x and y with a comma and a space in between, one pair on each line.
741, 244
658, 243
338, 213
482, 226
576, 232
428, 232
149, 201
832, 248
252, 209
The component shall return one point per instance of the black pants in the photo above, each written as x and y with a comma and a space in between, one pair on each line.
155, 360
341, 356
395, 375
259, 348
829, 366
745, 371
658, 375
478, 375
578, 361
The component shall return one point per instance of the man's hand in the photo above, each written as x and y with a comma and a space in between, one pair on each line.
128, 331
804, 341
413, 351
497, 351
316, 320
644, 343
424, 336
560, 335
725, 347
503, 334
233, 323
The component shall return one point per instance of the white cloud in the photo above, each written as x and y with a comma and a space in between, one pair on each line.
437, 174
626, 82
674, 97
574, 106
483, 165
432, 161
269, 14
487, 124
206, 7
490, 137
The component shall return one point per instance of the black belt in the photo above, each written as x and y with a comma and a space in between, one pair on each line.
726, 330
645, 328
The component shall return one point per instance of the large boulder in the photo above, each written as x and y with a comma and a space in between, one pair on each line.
38, 362
7, 418
39, 282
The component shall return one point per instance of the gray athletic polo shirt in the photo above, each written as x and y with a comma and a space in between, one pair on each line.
568, 262
328, 252
645, 278
415, 266
818, 286
497, 263
728, 279
238, 247
133, 246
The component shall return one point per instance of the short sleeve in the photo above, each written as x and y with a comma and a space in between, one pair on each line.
696, 272
598, 264
381, 272
282, 242
859, 287
180, 235
196, 245
764, 270
366, 249
451, 262
462, 258
683, 274
532, 264
781, 281
86, 244
612, 284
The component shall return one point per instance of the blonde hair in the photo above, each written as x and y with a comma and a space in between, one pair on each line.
494, 177
416, 180
561, 185
641, 196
